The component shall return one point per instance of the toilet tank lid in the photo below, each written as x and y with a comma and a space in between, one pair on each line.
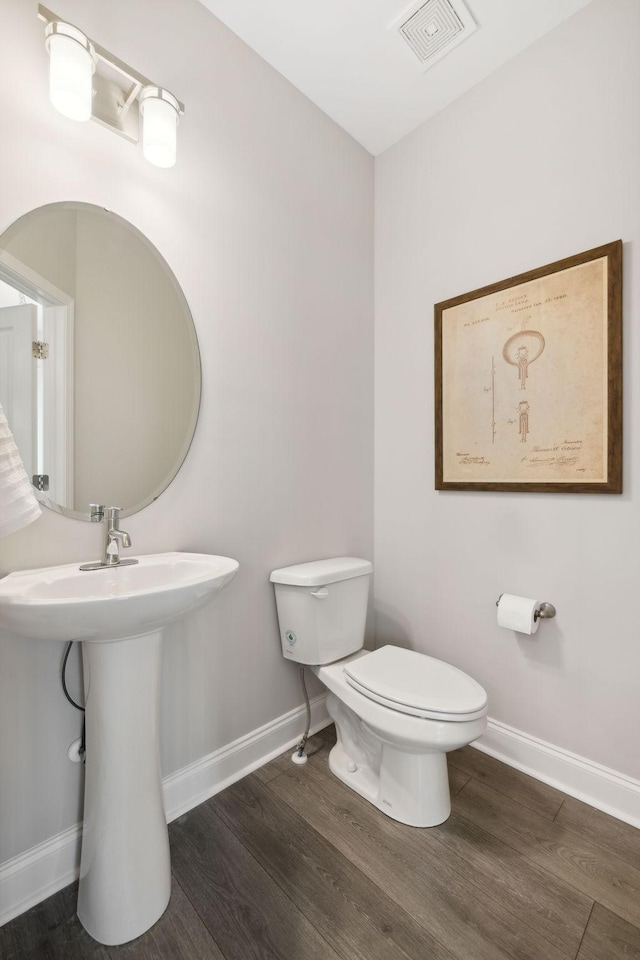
320, 572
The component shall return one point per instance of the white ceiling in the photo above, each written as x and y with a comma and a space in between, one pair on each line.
347, 56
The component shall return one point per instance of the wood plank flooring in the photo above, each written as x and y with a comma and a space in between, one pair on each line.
289, 864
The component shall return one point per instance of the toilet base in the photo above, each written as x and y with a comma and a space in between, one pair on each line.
408, 785
410, 788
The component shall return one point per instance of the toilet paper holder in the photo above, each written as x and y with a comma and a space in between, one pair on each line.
546, 611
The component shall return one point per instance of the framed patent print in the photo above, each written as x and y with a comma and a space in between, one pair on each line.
528, 380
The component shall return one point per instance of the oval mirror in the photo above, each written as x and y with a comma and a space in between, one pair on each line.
99, 361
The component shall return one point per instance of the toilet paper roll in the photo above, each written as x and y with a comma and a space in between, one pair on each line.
517, 613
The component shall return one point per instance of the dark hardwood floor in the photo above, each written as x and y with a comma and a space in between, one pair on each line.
289, 864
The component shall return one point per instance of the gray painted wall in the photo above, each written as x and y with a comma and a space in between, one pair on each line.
267, 222
538, 162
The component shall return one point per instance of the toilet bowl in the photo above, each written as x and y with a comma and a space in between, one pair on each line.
397, 712
394, 759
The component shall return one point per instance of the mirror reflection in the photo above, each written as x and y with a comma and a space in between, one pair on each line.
99, 362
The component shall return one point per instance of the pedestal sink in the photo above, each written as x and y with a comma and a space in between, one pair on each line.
118, 613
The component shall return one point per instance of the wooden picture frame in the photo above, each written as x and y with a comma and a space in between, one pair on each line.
528, 380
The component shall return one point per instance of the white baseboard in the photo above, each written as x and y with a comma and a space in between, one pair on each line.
42, 871
197, 782
39, 872
48, 867
609, 791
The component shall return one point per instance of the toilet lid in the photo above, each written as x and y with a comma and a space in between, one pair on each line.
413, 683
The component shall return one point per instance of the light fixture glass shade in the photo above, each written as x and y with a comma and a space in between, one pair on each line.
71, 68
160, 113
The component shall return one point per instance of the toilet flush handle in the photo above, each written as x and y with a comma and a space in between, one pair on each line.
320, 593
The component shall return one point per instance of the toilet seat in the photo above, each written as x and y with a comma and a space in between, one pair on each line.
415, 684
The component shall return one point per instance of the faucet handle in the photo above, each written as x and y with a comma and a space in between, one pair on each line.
113, 513
96, 512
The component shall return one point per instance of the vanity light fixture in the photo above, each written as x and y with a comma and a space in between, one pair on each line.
160, 113
72, 63
87, 82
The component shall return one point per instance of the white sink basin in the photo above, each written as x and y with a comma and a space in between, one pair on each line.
66, 603
125, 870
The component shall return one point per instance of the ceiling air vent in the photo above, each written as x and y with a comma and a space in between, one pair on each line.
435, 28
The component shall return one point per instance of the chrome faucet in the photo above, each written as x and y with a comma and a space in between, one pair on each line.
114, 538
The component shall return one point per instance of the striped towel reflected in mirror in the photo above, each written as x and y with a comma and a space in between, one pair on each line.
18, 504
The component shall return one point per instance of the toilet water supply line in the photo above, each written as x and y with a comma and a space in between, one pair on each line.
299, 755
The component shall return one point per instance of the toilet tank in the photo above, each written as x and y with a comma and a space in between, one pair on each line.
322, 608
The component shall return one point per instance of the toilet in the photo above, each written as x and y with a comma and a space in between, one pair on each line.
397, 712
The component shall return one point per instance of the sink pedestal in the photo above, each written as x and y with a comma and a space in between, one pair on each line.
125, 871
118, 613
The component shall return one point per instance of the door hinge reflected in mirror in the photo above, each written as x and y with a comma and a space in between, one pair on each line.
40, 481
40, 349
